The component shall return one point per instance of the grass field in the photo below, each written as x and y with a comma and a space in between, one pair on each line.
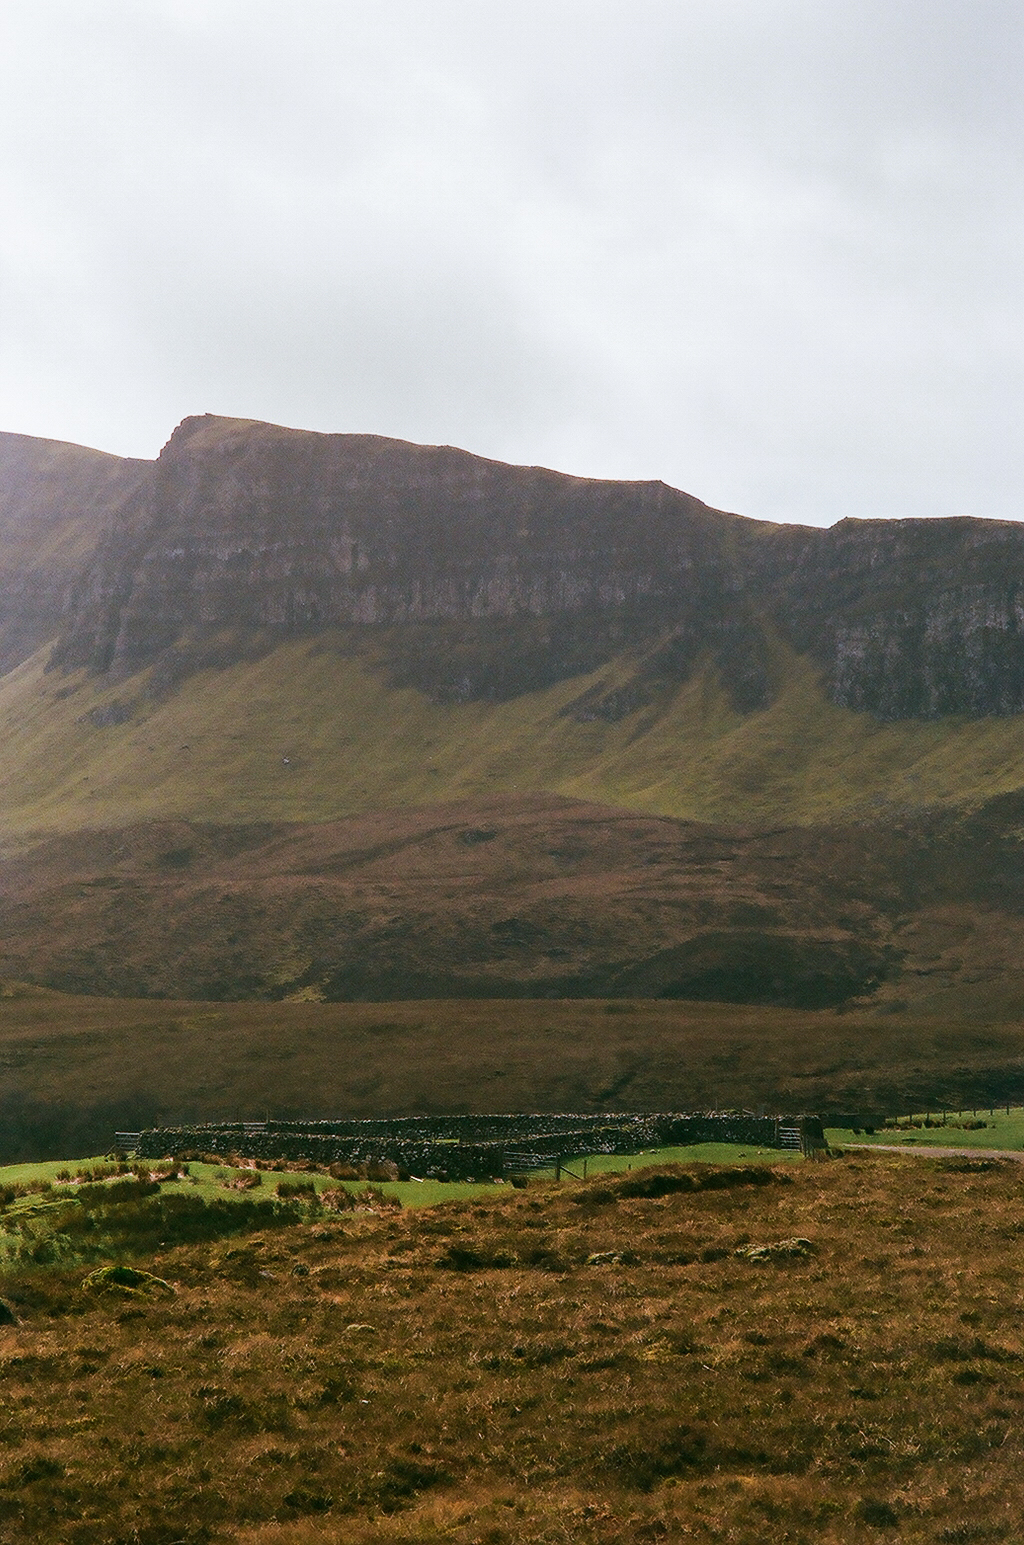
810, 1353
215, 1180
1002, 1129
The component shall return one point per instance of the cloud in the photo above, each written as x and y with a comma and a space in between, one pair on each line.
766, 252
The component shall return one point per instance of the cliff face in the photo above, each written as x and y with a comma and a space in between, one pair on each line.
252, 527
480, 580
55, 501
910, 618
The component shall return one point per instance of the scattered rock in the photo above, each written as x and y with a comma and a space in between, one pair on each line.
778, 1250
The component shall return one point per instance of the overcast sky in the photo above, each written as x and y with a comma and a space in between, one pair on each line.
769, 251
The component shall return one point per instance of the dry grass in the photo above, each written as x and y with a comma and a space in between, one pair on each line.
463, 1373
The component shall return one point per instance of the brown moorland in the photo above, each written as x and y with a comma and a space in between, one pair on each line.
531, 895
76, 1069
507, 897
618, 1360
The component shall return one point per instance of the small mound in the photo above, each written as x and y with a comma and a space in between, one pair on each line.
126, 1280
664, 1180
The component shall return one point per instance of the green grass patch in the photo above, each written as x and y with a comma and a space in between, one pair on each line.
1001, 1130
49, 1169
220, 1182
696, 1153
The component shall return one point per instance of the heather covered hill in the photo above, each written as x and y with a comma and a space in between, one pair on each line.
530, 896
501, 898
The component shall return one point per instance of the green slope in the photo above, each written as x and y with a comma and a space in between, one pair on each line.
305, 733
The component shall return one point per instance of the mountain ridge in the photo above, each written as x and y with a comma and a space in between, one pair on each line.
510, 578
55, 502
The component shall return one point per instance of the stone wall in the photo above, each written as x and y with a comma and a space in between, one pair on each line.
462, 1147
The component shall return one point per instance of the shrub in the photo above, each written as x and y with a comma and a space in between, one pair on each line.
879, 1514
296, 1188
663, 1182
373, 1196
643, 1463
249, 1180
337, 1199
458, 1257
154, 1221
218, 1410
118, 1194
97, 1172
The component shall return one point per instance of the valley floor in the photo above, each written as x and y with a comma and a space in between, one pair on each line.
77, 1069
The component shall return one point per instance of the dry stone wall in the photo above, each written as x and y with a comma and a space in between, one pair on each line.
463, 1147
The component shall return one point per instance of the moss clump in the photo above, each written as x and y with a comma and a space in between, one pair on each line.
125, 1279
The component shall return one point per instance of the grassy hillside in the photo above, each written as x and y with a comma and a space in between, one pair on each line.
307, 733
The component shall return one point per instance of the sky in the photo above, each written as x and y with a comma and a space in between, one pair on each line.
768, 251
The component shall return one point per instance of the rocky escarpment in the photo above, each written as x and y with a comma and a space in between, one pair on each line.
55, 501
909, 618
479, 580
498, 579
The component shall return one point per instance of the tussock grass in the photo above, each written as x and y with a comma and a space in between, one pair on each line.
622, 1367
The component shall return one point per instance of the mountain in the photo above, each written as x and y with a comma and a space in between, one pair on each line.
501, 580
296, 658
